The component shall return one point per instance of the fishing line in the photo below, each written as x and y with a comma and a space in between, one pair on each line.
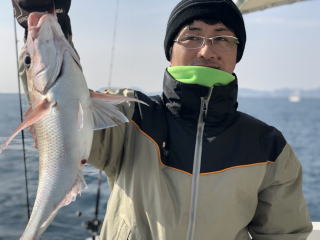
21, 119
98, 194
94, 224
113, 46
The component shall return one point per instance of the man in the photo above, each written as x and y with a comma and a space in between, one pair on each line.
189, 165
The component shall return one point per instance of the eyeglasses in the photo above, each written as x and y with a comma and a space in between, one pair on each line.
222, 42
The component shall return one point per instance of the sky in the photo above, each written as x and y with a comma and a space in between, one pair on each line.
282, 48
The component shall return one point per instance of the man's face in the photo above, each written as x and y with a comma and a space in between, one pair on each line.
208, 55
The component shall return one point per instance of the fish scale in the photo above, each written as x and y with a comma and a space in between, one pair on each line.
53, 162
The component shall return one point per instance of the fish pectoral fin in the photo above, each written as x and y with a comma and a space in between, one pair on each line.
32, 116
106, 115
104, 112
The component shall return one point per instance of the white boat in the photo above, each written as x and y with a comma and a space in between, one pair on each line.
295, 97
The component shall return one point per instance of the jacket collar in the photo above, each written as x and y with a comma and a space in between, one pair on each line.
183, 101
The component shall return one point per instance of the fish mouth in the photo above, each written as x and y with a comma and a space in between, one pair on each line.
35, 21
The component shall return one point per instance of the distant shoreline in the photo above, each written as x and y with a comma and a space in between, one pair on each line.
250, 93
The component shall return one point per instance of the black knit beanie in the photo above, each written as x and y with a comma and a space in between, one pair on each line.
224, 11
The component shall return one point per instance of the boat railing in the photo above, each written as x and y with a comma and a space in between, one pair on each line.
315, 235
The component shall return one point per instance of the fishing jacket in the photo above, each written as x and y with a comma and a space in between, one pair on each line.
188, 165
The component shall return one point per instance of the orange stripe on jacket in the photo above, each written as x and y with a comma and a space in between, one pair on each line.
179, 170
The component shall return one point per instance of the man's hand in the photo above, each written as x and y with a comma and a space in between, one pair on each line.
35, 5
22, 8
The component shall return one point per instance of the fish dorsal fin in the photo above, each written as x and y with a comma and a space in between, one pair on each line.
105, 114
32, 116
114, 99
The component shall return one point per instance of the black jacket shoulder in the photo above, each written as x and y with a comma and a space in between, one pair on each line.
270, 139
151, 117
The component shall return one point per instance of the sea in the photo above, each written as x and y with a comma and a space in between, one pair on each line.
299, 122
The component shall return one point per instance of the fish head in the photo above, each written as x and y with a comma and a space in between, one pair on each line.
44, 50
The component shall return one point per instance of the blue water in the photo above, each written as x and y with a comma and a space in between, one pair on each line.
299, 122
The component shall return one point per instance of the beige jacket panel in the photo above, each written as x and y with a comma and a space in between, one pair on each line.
151, 201
275, 217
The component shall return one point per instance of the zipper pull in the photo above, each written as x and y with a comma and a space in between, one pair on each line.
204, 109
206, 101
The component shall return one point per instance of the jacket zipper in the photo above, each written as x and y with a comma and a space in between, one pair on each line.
197, 165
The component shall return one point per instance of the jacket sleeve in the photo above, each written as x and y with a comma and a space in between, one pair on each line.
282, 211
108, 144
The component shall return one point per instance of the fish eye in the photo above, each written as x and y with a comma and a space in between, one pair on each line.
27, 61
